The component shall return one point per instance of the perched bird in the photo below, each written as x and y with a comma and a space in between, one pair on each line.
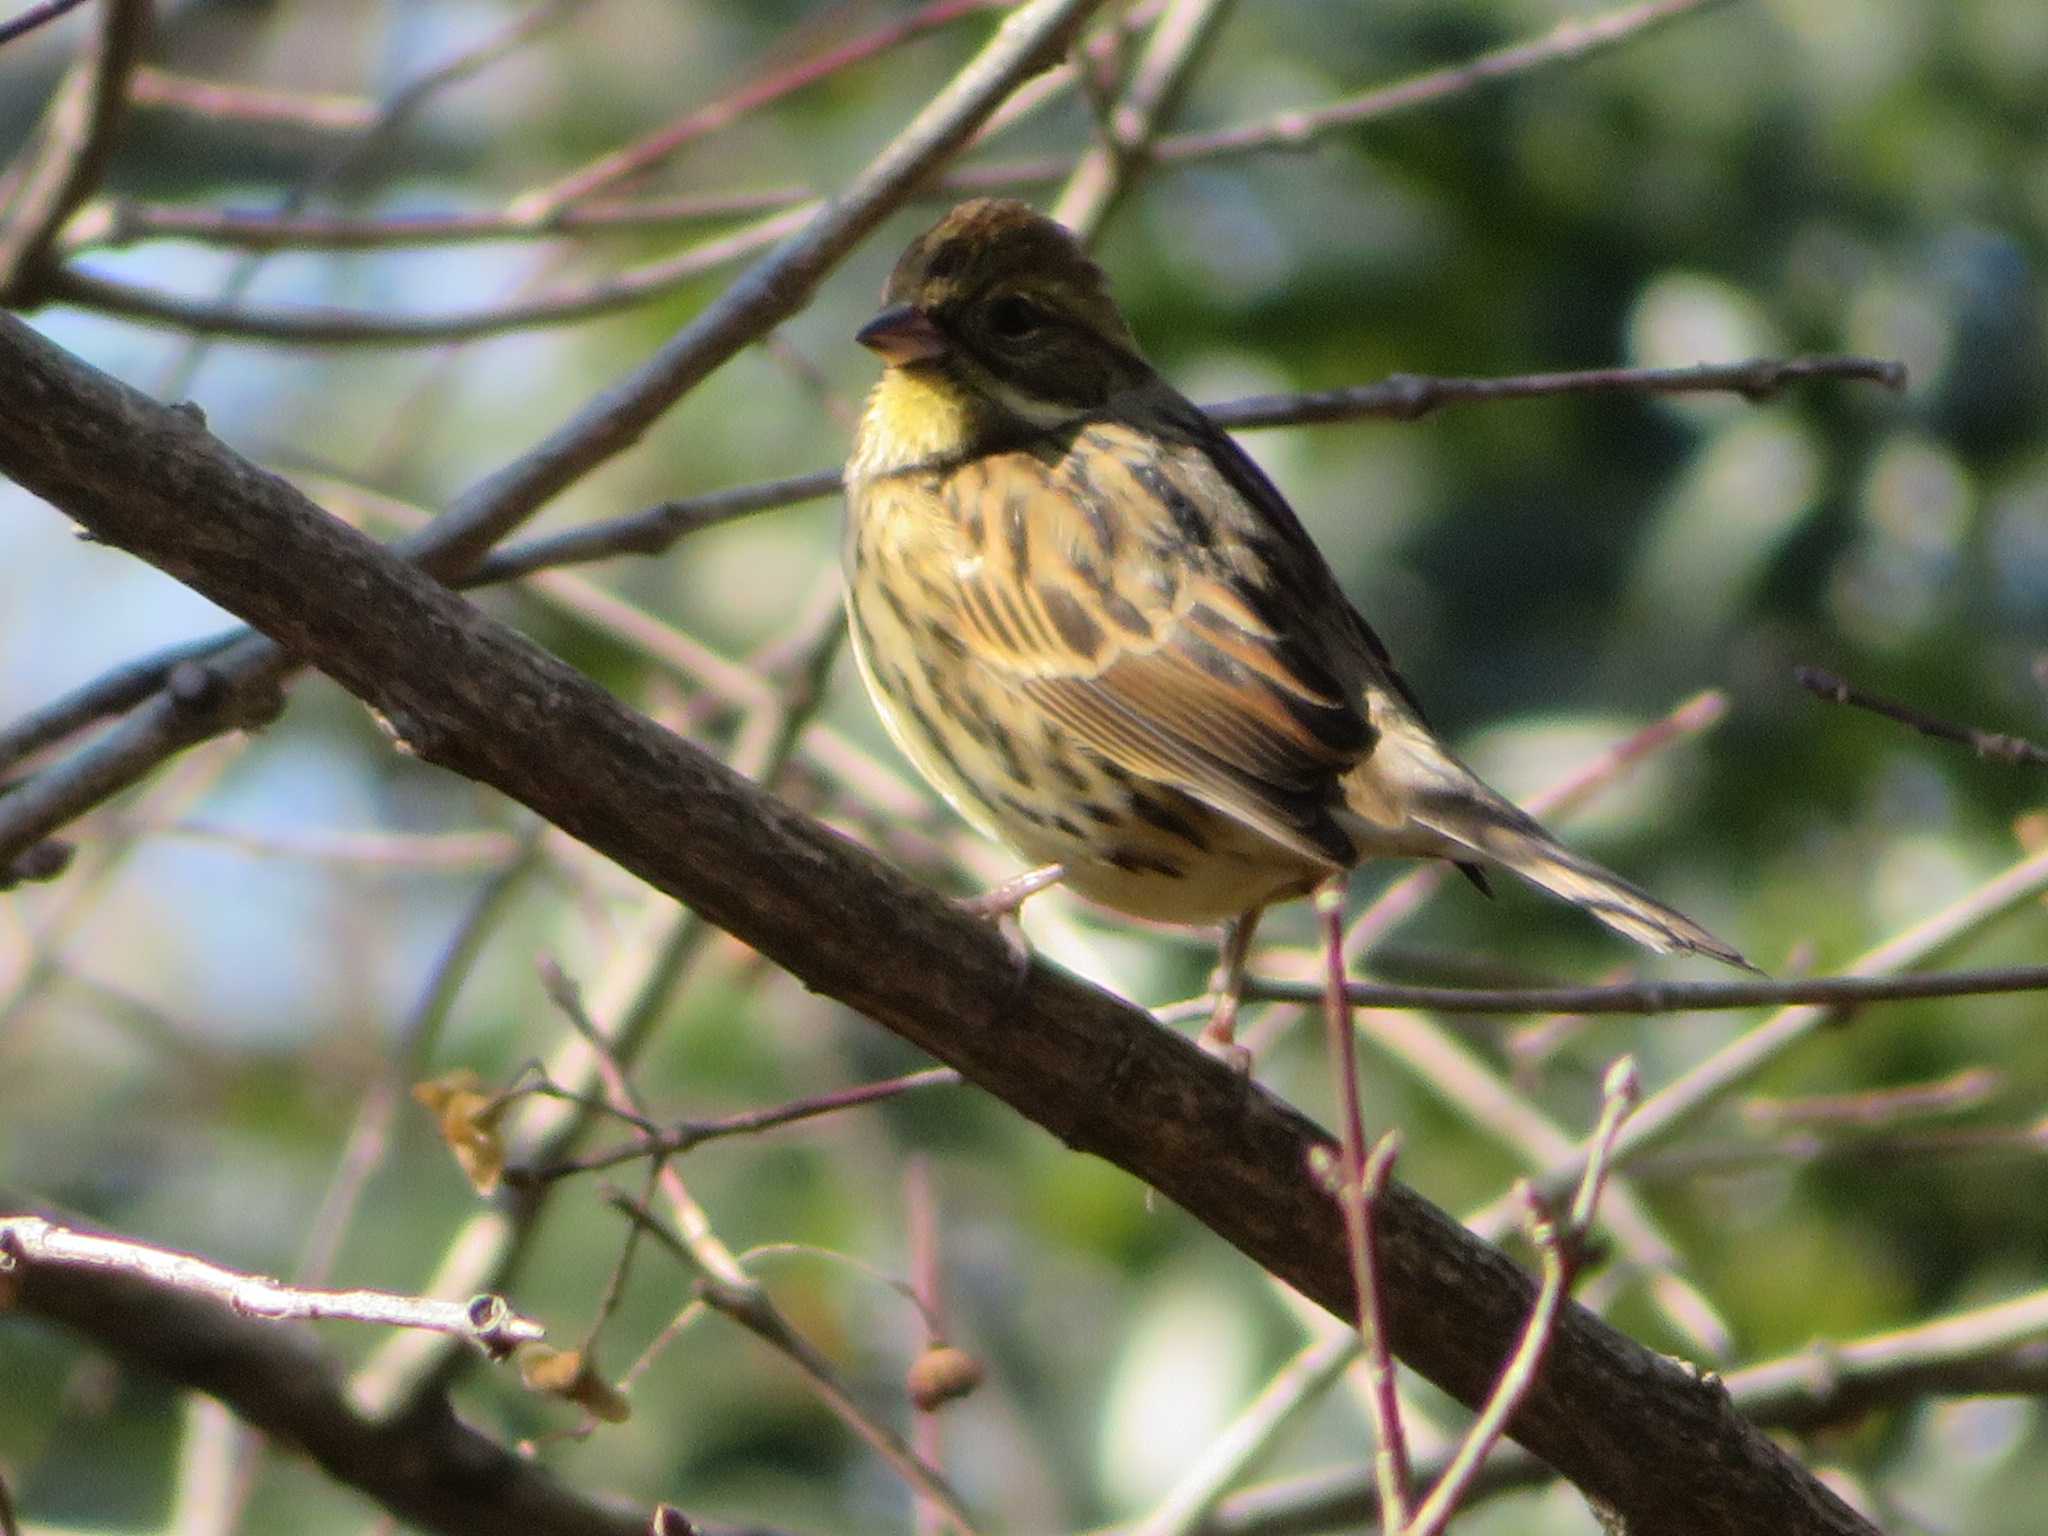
1089, 619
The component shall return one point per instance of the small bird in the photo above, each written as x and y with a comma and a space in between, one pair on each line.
1090, 620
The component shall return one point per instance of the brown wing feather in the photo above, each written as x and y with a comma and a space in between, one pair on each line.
1125, 586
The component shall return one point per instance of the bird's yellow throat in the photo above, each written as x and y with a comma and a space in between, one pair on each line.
915, 416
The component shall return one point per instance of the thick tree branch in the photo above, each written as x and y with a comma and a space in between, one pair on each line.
1630, 1427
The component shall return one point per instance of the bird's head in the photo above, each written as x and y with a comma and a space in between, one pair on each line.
1003, 301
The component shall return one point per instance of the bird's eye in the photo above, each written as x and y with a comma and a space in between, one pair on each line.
1012, 318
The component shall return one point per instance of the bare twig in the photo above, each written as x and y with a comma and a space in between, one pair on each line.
685, 1135
347, 328
444, 852
35, 16
1360, 1196
2006, 749
1641, 997
1664, 1112
77, 141
403, 1056
1408, 397
655, 529
1300, 128
1996, 1350
118, 222
108, 694
541, 206
224, 102
1865, 1149
1964, 1090
927, 1281
485, 1321
746, 1304
166, 730
1563, 1246
1172, 54
1310, 1373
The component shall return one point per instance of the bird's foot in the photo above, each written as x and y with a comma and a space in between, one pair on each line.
1220, 1043
999, 905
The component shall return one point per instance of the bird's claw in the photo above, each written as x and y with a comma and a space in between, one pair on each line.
1220, 1044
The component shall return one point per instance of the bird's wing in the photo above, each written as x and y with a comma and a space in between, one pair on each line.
1124, 583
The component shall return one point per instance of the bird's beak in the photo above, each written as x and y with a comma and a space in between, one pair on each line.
902, 333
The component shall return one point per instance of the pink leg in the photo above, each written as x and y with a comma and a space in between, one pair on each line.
1005, 899
1000, 905
1219, 1035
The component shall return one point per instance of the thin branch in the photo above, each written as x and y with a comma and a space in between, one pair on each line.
926, 1283
77, 141
485, 1321
1641, 997
1313, 1370
1865, 1149
115, 222
396, 852
315, 326
1104, 172
2006, 749
1301, 128
1392, 1471
746, 1304
688, 1134
655, 529
541, 206
2001, 1349
108, 694
1998, 1350
35, 16
235, 688
401, 1059
221, 101
1408, 397
1563, 1246
1971, 1088
1664, 1112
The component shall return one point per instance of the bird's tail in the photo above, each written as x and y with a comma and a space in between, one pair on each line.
1471, 816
